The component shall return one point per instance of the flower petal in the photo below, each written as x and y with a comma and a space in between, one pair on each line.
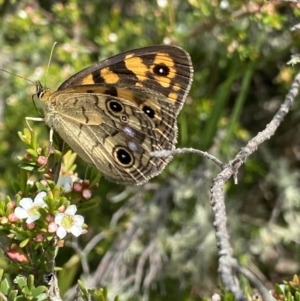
58, 218
78, 220
71, 210
61, 232
31, 219
26, 203
39, 199
21, 213
76, 231
65, 182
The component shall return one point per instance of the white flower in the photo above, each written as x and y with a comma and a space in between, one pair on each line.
66, 182
68, 222
30, 209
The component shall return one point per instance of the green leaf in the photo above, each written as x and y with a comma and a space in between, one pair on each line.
22, 181
95, 180
83, 289
20, 234
34, 138
289, 297
28, 166
100, 294
26, 291
13, 294
89, 204
42, 297
30, 281
21, 282
32, 152
57, 156
279, 289
4, 286
25, 137
40, 186
38, 290
24, 242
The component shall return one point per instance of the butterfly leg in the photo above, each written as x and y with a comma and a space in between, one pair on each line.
39, 119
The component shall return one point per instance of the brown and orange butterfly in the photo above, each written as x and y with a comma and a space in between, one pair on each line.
114, 113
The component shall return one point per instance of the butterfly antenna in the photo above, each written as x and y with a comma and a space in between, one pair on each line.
17, 75
48, 66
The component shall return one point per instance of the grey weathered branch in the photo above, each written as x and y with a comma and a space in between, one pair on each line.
226, 260
167, 153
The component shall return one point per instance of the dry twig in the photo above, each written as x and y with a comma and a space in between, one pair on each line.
226, 260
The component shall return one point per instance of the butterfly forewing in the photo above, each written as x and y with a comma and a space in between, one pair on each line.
165, 69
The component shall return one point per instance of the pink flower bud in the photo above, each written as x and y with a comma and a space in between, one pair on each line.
85, 183
49, 218
86, 194
31, 226
77, 187
11, 205
12, 218
52, 227
42, 160
39, 238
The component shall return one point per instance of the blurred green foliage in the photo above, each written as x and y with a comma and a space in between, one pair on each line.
158, 241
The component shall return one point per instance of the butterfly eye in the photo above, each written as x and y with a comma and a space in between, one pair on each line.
149, 111
115, 106
116, 109
161, 69
124, 119
123, 157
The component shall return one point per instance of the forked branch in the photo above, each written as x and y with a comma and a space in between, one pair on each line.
227, 264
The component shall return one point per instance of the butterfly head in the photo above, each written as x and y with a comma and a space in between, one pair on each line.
42, 92
42, 101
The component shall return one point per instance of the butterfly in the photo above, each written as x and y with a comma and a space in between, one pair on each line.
115, 112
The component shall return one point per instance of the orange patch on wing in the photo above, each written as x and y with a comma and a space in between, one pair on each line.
136, 65
176, 87
173, 96
87, 80
126, 94
164, 83
109, 76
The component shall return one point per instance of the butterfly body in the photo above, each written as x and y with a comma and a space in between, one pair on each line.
114, 113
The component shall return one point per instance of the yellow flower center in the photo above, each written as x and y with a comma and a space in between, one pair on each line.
67, 221
34, 211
